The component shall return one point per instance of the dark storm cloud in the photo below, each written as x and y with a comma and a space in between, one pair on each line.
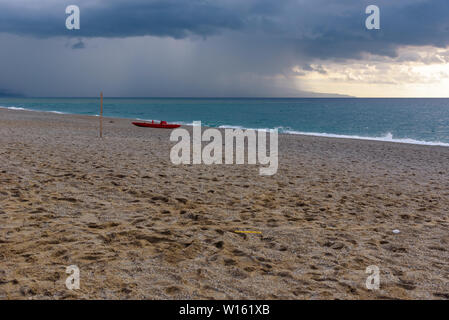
408, 22
79, 45
319, 69
4, 93
320, 28
125, 18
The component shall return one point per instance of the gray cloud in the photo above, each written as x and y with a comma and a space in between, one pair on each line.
78, 45
320, 28
114, 18
319, 69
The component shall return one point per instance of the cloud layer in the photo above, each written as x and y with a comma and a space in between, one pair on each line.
216, 42
319, 27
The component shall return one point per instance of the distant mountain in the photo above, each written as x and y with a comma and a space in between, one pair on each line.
4, 93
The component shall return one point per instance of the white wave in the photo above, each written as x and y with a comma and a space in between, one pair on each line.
15, 108
189, 124
24, 109
387, 138
226, 126
243, 128
57, 112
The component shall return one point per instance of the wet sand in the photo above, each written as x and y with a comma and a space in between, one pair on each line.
139, 227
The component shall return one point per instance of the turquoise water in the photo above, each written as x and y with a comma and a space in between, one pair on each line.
421, 121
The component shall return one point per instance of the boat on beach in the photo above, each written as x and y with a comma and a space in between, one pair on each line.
162, 124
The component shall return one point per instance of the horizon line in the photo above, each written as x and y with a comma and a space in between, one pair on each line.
212, 97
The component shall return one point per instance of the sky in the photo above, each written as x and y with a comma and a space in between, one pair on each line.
225, 48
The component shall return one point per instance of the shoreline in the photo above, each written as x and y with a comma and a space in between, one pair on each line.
387, 138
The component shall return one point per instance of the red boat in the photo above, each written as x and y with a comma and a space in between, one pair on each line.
162, 124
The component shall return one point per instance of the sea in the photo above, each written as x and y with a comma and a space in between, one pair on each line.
416, 121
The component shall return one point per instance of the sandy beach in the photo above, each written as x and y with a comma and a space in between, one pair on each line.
139, 227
